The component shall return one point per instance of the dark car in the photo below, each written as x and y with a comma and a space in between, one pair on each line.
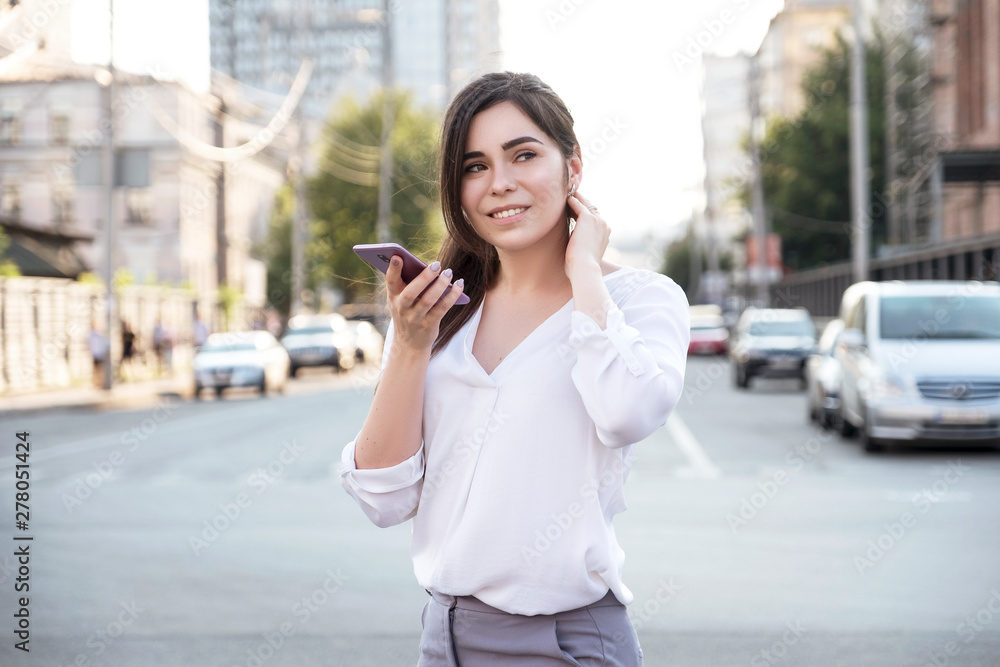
772, 342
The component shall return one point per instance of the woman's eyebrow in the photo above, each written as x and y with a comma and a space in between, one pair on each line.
505, 146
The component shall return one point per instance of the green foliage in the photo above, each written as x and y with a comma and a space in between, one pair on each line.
277, 250
89, 278
8, 269
806, 162
229, 297
122, 278
677, 262
345, 212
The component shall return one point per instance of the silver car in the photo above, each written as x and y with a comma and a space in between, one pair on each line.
240, 359
920, 362
823, 377
319, 340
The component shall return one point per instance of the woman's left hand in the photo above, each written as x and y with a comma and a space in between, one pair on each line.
590, 237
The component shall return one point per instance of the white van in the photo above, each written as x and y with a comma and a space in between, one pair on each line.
920, 362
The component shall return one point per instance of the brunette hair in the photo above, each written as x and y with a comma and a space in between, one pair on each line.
463, 250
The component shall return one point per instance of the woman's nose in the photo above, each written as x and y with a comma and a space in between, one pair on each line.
503, 180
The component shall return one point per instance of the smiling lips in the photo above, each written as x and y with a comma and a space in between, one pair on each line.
507, 213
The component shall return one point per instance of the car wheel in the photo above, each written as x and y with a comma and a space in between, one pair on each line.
293, 370
869, 443
197, 392
846, 428
263, 386
218, 392
741, 377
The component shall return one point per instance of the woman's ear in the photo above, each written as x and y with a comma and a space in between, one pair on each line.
575, 167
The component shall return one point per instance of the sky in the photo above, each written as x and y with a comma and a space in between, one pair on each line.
629, 71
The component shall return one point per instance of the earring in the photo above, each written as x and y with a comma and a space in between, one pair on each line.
572, 190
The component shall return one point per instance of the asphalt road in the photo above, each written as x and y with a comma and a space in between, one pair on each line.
217, 533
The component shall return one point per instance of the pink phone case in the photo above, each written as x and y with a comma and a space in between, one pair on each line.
378, 256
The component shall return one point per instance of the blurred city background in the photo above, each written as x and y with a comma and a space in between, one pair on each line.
190, 340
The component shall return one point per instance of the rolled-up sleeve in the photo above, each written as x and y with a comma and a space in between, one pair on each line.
630, 374
387, 496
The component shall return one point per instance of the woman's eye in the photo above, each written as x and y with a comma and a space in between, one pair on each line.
475, 168
525, 156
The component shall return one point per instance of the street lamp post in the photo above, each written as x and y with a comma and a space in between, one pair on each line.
860, 196
109, 180
385, 162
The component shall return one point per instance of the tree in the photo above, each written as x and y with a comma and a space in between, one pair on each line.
805, 162
343, 196
7, 267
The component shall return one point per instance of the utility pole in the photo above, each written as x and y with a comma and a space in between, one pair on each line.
382, 229
757, 193
893, 120
109, 180
296, 175
860, 196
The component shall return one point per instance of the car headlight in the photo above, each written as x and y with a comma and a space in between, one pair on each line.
890, 385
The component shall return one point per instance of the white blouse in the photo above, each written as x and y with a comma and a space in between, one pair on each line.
521, 471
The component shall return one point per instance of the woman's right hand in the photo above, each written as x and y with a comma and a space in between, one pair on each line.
417, 317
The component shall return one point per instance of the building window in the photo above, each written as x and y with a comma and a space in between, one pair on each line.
62, 203
138, 206
132, 166
10, 201
10, 127
59, 125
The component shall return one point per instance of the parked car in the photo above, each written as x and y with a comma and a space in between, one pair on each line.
823, 377
709, 335
368, 341
240, 359
771, 342
920, 362
319, 340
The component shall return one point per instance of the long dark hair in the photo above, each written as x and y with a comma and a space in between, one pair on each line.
463, 250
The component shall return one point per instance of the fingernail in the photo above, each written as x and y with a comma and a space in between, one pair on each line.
435, 265
459, 284
446, 273
395, 260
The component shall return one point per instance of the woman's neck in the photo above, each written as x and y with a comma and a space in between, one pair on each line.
537, 269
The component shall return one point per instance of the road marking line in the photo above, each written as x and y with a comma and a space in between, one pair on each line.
701, 467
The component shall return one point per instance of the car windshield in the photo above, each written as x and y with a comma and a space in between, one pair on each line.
782, 328
228, 346
305, 331
940, 317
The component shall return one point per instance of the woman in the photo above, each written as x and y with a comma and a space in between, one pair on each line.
504, 427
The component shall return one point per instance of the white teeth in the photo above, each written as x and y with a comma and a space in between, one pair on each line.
507, 213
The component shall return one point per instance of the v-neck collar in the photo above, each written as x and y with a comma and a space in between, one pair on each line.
472, 328
470, 339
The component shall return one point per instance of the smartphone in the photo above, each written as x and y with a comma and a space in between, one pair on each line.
378, 256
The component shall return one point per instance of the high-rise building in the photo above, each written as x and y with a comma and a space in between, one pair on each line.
967, 116
725, 124
437, 45
793, 44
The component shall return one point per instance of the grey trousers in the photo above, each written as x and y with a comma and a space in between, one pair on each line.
464, 632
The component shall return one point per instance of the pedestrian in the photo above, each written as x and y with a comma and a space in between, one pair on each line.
128, 349
200, 333
162, 347
505, 428
98, 344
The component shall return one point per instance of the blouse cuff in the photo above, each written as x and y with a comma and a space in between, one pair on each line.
382, 480
585, 331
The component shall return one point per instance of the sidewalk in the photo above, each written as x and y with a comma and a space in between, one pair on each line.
121, 395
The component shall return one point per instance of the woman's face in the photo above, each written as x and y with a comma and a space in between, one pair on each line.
514, 179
